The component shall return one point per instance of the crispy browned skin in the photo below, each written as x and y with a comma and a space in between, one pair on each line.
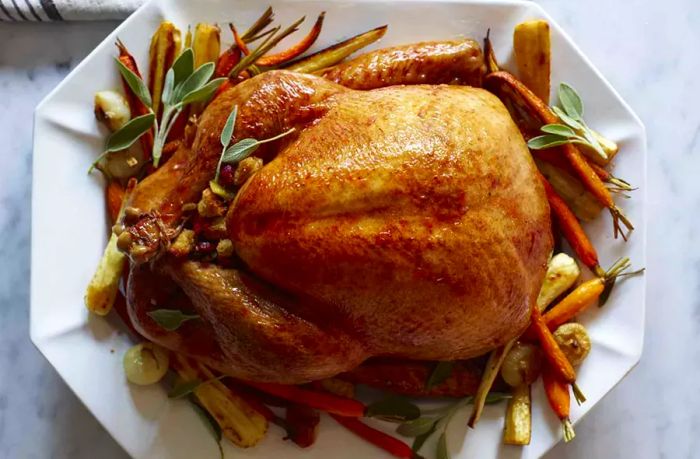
405, 221
430, 62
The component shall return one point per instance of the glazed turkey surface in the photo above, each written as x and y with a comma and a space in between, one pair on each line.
403, 221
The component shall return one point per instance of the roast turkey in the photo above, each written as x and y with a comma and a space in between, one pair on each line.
403, 219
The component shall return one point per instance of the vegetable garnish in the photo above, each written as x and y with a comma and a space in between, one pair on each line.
183, 86
241, 149
439, 375
424, 427
184, 388
170, 319
393, 408
574, 129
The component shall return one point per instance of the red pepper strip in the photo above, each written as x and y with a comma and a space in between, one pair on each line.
379, 439
319, 400
295, 50
137, 107
227, 61
239, 41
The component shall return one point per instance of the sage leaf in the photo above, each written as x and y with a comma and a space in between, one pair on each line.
546, 141
439, 375
497, 397
244, 148
193, 82
170, 319
558, 129
567, 119
227, 131
168, 86
239, 151
135, 83
393, 408
203, 93
416, 427
422, 438
212, 426
441, 450
130, 132
570, 101
183, 66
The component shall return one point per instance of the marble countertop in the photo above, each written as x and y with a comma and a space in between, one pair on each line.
647, 50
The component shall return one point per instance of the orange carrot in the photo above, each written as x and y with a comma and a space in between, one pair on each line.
386, 442
571, 229
584, 295
559, 398
320, 400
137, 107
501, 82
227, 61
552, 352
238, 40
295, 50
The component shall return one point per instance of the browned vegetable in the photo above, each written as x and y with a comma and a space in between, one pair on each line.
295, 50
517, 429
533, 56
336, 53
165, 46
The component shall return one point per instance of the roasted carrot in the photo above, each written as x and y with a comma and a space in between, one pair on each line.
553, 354
227, 61
497, 81
571, 229
386, 442
489, 55
114, 194
238, 40
559, 398
617, 183
295, 50
584, 295
320, 400
137, 107
302, 424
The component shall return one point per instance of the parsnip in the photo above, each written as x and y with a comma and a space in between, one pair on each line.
517, 429
562, 272
533, 56
581, 202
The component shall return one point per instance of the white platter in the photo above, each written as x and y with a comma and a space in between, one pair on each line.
69, 231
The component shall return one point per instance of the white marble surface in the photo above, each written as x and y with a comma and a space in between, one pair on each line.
647, 50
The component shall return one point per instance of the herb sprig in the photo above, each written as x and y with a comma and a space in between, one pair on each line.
422, 428
184, 85
170, 319
574, 130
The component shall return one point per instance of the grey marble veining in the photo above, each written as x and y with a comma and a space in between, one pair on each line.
647, 50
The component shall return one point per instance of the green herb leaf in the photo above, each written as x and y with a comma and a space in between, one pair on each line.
203, 93
170, 319
417, 427
546, 141
130, 132
183, 66
212, 426
168, 86
570, 101
558, 129
184, 388
441, 450
496, 397
422, 438
567, 119
194, 82
227, 131
135, 83
440, 373
393, 408
245, 147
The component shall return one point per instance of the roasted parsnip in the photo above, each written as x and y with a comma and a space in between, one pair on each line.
580, 200
206, 43
562, 272
239, 421
533, 56
165, 46
517, 429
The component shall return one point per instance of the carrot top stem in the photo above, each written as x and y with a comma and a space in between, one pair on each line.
578, 395
568, 429
620, 220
